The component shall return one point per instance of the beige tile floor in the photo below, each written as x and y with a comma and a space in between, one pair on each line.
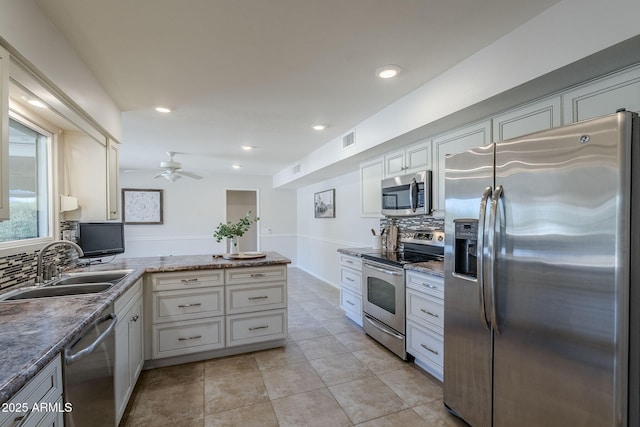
328, 374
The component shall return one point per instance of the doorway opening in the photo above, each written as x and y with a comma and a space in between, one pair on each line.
239, 202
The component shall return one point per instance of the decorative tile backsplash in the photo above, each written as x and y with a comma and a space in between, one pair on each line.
20, 268
413, 222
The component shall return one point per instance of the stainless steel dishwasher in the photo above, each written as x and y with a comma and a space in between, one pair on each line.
88, 374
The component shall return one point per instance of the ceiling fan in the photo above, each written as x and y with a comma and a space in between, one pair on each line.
172, 170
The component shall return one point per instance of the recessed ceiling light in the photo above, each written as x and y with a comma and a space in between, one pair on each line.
163, 109
388, 71
319, 127
247, 147
236, 166
37, 103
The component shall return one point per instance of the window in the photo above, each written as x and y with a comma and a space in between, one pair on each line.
29, 198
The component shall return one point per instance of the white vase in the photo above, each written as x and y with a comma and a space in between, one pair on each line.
232, 245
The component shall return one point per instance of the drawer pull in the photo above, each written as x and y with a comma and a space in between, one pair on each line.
429, 313
257, 275
430, 286
261, 297
135, 318
187, 281
349, 279
19, 421
428, 349
197, 337
198, 304
253, 328
349, 302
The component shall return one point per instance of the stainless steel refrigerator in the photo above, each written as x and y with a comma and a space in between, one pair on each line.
541, 276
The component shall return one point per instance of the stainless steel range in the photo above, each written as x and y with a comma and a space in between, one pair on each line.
384, 289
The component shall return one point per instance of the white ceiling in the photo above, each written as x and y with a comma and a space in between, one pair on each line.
261, 72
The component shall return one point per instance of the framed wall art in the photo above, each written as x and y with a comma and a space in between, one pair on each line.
324, 204
141, 206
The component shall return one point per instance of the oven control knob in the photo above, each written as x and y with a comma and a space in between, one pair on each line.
440, 238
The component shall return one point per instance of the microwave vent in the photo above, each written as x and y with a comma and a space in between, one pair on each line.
348, 140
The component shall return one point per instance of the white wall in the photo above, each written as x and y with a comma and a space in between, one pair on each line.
28, 30
320, 238
194, 208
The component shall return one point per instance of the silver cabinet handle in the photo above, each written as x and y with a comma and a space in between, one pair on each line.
257, 275
198, 304
349, 262
349, 279
428, 312
349, 302
253, 328
261, 297
429, 285
186, 281
429, 349
135, 318
196, 337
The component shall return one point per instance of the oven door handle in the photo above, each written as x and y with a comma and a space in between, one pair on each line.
384, 270
383, 329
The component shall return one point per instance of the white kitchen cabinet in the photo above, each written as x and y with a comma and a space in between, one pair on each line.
256, 301
4, 134
43, 389
371, 175
187, 312
351, 287
413, 158
533, 117
603, 96
113, 192
129, 350
457, 141
425, 321
85, 175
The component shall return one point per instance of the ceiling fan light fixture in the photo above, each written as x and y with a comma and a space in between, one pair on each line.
388, 71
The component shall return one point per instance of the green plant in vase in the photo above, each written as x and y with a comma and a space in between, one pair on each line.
232, 231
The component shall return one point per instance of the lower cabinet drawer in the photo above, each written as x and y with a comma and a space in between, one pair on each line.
256, 327
187, 304
425, 345
186, 337
252, 297
351, 302
425, 308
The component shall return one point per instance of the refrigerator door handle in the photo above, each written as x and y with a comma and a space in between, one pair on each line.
480, 254
496, 199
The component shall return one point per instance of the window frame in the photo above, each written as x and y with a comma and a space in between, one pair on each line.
30, 119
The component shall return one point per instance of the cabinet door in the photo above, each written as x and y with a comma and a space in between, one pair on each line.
371, 174
394, 164
454, 142
112, 181
136, 341
541, 115
418, 157
4, 134
603, 96
129, 355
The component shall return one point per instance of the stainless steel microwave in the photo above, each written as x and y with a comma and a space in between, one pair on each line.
407, 195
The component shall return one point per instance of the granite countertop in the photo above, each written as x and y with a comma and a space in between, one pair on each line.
430, 267
359, 251
35, 331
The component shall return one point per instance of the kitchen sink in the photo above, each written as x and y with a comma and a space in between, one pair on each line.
111, 276
55, 291
71, 284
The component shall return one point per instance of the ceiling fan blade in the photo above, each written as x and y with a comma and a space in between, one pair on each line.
159, 175
189, 174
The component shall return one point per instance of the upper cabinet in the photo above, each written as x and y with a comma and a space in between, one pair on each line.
414, 158
534, 117
113, 210
4, 134
85, 175
371, 175
454, 142
603, 96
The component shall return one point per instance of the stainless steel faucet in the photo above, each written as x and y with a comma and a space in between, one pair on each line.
39, 272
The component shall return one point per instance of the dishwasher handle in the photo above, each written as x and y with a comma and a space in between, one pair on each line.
70, 357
